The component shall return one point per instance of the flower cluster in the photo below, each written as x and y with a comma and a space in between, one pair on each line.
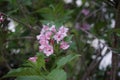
49, 35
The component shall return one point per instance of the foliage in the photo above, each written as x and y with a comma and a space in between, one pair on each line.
37, 70
89, 23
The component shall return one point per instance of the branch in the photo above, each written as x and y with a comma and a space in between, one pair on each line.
95, 62
17, 20
24, 12
115, 45
110, 3
21, 38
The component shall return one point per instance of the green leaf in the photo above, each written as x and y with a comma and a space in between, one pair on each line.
30, 78
56, 13
117, 31
30, 68
21, 72
40, 60
69, 38
61, 62
57, 74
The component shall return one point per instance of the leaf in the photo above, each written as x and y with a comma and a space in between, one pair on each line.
56, 13
30, 68
117, 31
69, 38
21, 72
61, 62
30, 78
40, 60
57, 74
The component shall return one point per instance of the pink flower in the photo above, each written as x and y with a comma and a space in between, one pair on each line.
85, 26
48, 50
1, 18
85, 12
41, 47
59, 36
33, 59
64, 45
53, 29
43, 42
41, 37
48, 34
64, 30
44, 29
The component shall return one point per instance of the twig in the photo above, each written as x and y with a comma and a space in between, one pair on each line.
95, 62
91, 14
110, 3
24, 12
91, 68
15, 19
79, 14
21, 38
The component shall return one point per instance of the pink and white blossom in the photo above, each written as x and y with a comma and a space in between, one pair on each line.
64, 45
41, 48
44, 29
33, 59
59, 36
48, 50
43, 42
48, 34
63, 29
85, 12
53, 29
1, 18
41, 37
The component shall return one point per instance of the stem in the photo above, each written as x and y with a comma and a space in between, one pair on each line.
115, 45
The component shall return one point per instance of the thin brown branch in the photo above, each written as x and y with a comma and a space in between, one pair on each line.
25, 13
94, 12
93, 66
15, 19
110, 3
21, 38
91, 14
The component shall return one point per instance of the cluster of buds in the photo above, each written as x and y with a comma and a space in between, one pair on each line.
49, 36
